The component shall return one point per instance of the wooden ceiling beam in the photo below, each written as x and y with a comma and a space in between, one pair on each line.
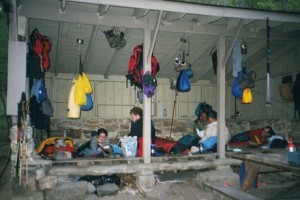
140, 13
80, 17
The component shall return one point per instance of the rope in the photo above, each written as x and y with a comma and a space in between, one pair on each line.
268, 89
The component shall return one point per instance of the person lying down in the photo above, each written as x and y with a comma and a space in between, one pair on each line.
98, 146
259, 138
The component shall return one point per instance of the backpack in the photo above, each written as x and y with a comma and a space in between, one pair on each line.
41, 46
135, 66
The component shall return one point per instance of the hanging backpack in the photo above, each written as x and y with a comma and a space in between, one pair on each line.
41, 46
135, 66
183, 82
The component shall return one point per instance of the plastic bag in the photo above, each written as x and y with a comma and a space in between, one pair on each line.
129, 146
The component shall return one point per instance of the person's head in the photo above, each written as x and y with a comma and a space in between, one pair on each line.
102, 134
212, 116
267, 131
136, 113
202, 117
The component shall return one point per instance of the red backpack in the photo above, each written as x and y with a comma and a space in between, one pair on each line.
41, 46
135, 66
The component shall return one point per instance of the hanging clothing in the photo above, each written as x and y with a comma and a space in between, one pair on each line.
236, 58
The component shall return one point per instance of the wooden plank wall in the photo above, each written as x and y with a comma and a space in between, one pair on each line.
112, 99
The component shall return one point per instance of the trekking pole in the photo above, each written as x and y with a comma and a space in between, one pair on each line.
176, 93
25, 139
18, 155
20, 161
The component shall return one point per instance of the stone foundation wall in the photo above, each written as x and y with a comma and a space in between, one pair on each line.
80, 129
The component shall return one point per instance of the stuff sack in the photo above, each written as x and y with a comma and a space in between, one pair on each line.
247, 96
183, 82
73, 109
87, 85
41, 46
236, 91
89, 103
210, 143
79, 94
135, 66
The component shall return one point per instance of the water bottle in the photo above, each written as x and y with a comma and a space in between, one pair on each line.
201, 149
291, 145
165, 114
153, 147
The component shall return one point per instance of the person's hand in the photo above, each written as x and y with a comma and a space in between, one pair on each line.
253, 143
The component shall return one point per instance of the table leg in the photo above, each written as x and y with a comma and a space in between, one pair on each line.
252, 170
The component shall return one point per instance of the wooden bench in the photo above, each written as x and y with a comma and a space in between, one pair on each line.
229, 192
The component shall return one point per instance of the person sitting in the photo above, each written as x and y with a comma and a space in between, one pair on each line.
98, 146
200, 123
209, 136
136, 115
255, 137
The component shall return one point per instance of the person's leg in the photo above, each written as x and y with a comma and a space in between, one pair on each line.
241, 137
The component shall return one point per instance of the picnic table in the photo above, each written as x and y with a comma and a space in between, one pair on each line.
262, 161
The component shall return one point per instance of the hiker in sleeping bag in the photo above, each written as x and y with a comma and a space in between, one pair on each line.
98, 146
254, 137
209, 136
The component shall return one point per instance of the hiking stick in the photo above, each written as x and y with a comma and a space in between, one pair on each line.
176, 93
25, 139
18, 155
20, 162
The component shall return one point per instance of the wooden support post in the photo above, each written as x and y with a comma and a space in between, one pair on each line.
147, 102
252, 170
221, 97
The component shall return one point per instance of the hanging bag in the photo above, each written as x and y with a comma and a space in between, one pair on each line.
87, 85
89, 103
73, 108
247, 96
183, 82
79, 94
